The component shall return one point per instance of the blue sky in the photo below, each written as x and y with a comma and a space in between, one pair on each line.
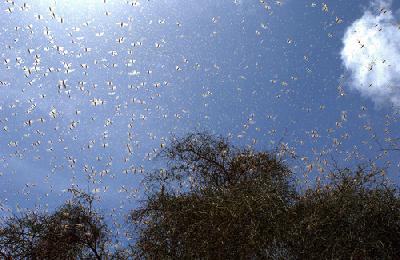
91, 89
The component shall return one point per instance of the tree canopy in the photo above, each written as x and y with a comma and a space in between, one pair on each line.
239, 203
213, 200
73, 231
234, 202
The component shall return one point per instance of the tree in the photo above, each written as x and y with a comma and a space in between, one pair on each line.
73, 231
214, 201
356, 215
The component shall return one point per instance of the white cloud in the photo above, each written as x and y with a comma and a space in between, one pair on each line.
371, 53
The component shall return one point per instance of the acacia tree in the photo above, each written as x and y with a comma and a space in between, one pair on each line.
214, 201
73, 231
355, 215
